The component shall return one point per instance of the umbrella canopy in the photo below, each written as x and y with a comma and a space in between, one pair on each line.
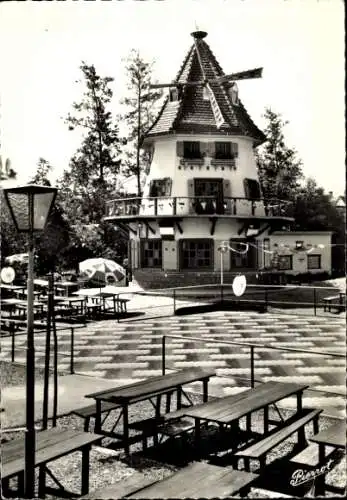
101, 271
21, 258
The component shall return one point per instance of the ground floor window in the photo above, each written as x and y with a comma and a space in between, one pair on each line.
285, 262
314, 262
196, 254
151, 253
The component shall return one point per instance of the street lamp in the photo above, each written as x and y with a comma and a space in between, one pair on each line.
30, 207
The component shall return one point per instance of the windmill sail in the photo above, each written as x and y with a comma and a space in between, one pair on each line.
218, 116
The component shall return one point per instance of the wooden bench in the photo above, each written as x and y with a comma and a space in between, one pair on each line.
329, 302
88, 412
121, 488
51, 444
259, 450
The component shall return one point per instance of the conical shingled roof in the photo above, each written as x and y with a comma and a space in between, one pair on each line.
194, 114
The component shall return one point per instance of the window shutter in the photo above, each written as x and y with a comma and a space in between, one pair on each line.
190, 188
179, 148
226, 188
211, 148
235, 149
246, 187
168, 187
150, 189
203, 148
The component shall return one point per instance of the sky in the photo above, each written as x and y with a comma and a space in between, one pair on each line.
299, 43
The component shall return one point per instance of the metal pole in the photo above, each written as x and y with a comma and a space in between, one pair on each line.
29, 472
55, 369
163, 355
314, 302
252, 366
174, 301
47, 354
72, 368
221, 268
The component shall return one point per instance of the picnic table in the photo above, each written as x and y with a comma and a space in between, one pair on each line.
51, 444
199, 480
15, 305
334, 436
147, 389
66, 286
230, 409
71, 304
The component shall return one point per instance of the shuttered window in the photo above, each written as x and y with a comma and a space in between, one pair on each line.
223, 151
285, 262
191, 149
252, 189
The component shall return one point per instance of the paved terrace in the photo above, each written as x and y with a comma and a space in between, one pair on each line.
111, 353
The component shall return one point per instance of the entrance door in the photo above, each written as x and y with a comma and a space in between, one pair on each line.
239, 259
209, 196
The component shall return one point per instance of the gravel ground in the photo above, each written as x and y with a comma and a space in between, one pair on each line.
108, 467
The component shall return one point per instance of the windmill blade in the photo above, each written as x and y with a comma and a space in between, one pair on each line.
242, 75
176, 84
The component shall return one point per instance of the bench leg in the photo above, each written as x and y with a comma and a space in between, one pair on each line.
168, 402
205, 390
86, 424
42, 481
179, 398
85, 470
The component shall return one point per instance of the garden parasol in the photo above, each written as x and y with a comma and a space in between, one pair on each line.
101, 271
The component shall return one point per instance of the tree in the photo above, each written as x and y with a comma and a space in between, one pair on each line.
279, 168
91, 176
42, 171
140, 105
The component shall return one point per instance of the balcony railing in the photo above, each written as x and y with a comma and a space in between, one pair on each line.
194, 205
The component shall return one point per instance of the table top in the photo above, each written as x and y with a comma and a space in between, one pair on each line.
12, 287
21, 302
198, 480
50, 444
40, 282
335, 435
225, 410
152, 385
72, 299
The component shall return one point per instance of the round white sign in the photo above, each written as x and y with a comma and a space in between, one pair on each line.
7, 274
239, 285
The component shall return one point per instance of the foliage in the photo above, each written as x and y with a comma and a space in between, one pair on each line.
278, 166
92, 173
43, 169
140, 109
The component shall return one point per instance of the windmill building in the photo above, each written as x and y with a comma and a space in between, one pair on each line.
202, 188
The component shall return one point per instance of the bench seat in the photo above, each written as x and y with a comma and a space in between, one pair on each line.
88, 412
259, 449
121, 488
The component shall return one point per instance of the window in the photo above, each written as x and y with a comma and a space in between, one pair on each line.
252, 189
314, 262
191, 149
223, 151
175, 94
196, 254
285, 262
160, 187
151, 253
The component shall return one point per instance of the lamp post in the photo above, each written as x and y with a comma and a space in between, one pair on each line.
30, 206
223, 248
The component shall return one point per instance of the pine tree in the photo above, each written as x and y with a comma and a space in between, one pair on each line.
279, 168
140, 111
92, 173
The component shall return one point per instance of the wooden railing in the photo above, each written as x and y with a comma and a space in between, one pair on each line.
194, 205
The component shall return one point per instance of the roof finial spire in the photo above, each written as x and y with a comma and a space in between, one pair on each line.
198, 34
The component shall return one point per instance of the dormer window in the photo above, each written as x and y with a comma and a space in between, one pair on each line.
234, 94
175, 94
205, 94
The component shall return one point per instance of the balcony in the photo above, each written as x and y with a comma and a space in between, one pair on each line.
179, 206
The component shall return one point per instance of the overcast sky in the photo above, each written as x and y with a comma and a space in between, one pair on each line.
299, 43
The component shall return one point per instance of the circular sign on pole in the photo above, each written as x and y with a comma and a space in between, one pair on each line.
7, 274
239, 285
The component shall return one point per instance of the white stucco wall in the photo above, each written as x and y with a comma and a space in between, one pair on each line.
166, 163
300, 258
